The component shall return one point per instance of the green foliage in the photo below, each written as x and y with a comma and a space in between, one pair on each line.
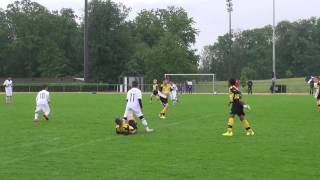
243, 78
297, 50
38, 43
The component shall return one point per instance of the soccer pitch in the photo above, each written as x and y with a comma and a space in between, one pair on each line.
79, 141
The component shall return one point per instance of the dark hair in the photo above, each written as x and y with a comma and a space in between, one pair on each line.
44, 86
118, 121
134, 84
232, 81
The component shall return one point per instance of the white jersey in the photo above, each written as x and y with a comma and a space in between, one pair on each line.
174, 90
133, 97
43, 97
133, 106
8, 83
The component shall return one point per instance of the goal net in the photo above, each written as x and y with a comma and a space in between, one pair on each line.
193, 83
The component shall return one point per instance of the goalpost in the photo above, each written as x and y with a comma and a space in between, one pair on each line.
202, 83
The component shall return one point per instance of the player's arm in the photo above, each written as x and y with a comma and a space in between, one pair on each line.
140, 100
161, 88
48, 98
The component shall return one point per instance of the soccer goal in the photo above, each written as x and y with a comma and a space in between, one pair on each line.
194, 83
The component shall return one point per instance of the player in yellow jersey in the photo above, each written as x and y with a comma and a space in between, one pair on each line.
126, 127
236, 109
164, 92
155, 88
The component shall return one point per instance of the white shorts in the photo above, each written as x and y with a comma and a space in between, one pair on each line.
43, 108
133, 111
8, 91
173, 95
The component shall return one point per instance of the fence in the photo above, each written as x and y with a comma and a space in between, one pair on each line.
297, 85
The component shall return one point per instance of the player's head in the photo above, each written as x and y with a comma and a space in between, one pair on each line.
165, 81
45, 87
155, 81
135, 84
118, 121
232, 82
9, 78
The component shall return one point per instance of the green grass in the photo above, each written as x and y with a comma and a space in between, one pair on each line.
79, 142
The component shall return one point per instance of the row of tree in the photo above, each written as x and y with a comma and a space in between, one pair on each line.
35, 42
250, 54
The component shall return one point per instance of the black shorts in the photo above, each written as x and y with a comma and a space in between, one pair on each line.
155, 92
237, 108
164, 101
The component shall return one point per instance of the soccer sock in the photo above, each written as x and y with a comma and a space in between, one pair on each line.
144, 122
164, 110
246, 125
230, 124
36, 116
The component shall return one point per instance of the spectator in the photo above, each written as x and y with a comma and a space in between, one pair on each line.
311, 83
189, 85
249, 84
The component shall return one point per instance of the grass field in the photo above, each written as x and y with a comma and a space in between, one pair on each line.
79, 141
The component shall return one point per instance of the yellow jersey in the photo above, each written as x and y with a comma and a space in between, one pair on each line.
155, 87
125, 129
165, 89
234, 94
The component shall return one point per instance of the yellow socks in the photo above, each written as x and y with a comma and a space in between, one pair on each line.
230, 124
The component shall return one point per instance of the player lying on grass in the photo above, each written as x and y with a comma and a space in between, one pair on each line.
317, 94
236, 109
126, 127
42, 104
8, 89
155, 88
134, 105
163, 93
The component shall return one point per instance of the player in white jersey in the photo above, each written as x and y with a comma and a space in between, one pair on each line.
8, 88
174, 93
134, 105
42, 104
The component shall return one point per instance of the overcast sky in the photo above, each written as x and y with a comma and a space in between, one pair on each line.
210, 15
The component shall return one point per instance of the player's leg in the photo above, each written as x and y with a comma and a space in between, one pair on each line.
37, 112
174, 98
165, 107
246, 124
230, 126
318, 105
10, 96
143, 120
46, 111
7, 95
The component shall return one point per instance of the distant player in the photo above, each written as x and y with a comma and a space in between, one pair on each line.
42, 104
174, 93
134, 105
236, 109
155, 88
250, 85
126, 127
317, 94
164, 92
8, 89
